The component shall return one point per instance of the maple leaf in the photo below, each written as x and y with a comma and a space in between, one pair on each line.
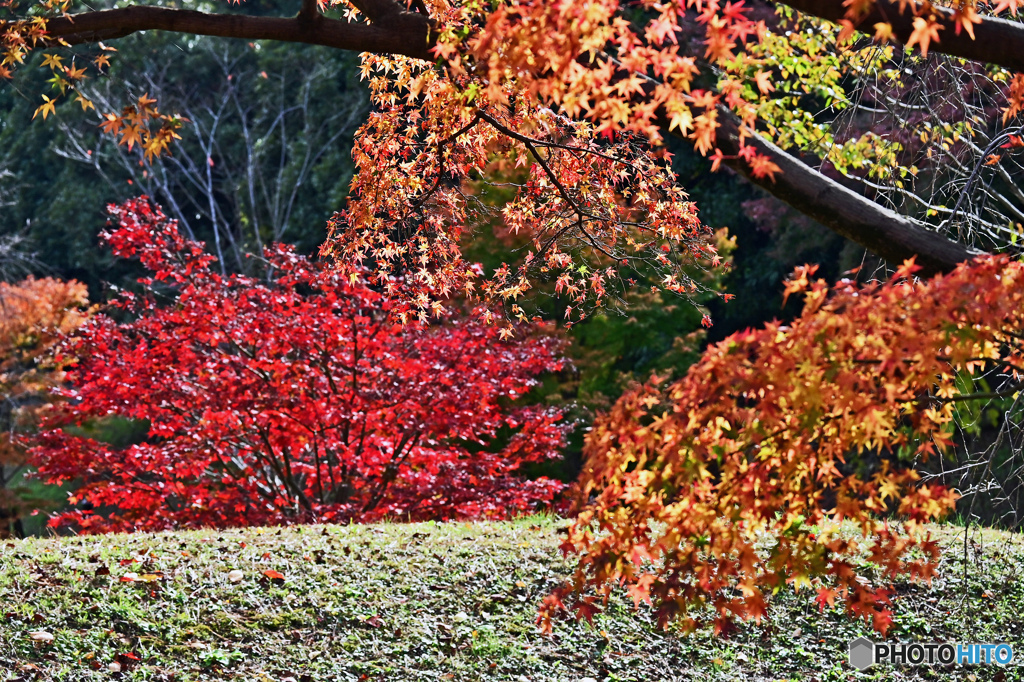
587, 609
881, 621
52, 61
965, 17
47, 108
641, 590
1003, 5
681, 119
130, 135
883, 32
762, 166
111, 124
704, 131
826, 597
925, 31
763, 81
716, 160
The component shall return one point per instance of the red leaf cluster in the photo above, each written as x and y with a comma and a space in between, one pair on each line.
291, 398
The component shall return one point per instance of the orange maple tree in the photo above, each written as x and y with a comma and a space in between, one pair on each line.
34, 315
749, 473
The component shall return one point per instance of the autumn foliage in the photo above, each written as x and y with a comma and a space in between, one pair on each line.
562, 90
730, 483
580, 94
291, 398
34, 314
357, 393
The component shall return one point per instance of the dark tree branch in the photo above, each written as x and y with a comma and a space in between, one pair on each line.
378, 11
310, 11
395, 32
997, 41
419, 6
883, 232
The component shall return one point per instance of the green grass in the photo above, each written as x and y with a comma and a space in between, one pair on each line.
432, 602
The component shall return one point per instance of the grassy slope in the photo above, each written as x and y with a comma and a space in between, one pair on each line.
430, 602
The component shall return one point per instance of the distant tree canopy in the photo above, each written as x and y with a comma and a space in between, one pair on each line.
264, 156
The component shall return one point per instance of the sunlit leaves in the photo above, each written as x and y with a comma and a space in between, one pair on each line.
738, 477
142, 124
925, 31
580, 94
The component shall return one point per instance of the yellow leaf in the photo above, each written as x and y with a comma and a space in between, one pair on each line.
47, 108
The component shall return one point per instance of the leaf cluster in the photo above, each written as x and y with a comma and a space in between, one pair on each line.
730, 483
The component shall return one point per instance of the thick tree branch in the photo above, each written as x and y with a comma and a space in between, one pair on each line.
310, 11
997, 41
885, 233
399, 32
378, 11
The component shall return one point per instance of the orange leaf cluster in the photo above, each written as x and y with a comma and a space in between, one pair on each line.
143, 124
591, 208
728, 484
34, 314
926, 25
575, 93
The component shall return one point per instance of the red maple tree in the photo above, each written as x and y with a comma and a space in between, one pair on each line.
291, 398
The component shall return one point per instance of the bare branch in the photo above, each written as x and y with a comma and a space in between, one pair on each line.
880, 230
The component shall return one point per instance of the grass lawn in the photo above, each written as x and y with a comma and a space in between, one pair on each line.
431, 602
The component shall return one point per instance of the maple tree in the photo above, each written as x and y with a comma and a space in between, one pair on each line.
34, 314
291, 399
720, 488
